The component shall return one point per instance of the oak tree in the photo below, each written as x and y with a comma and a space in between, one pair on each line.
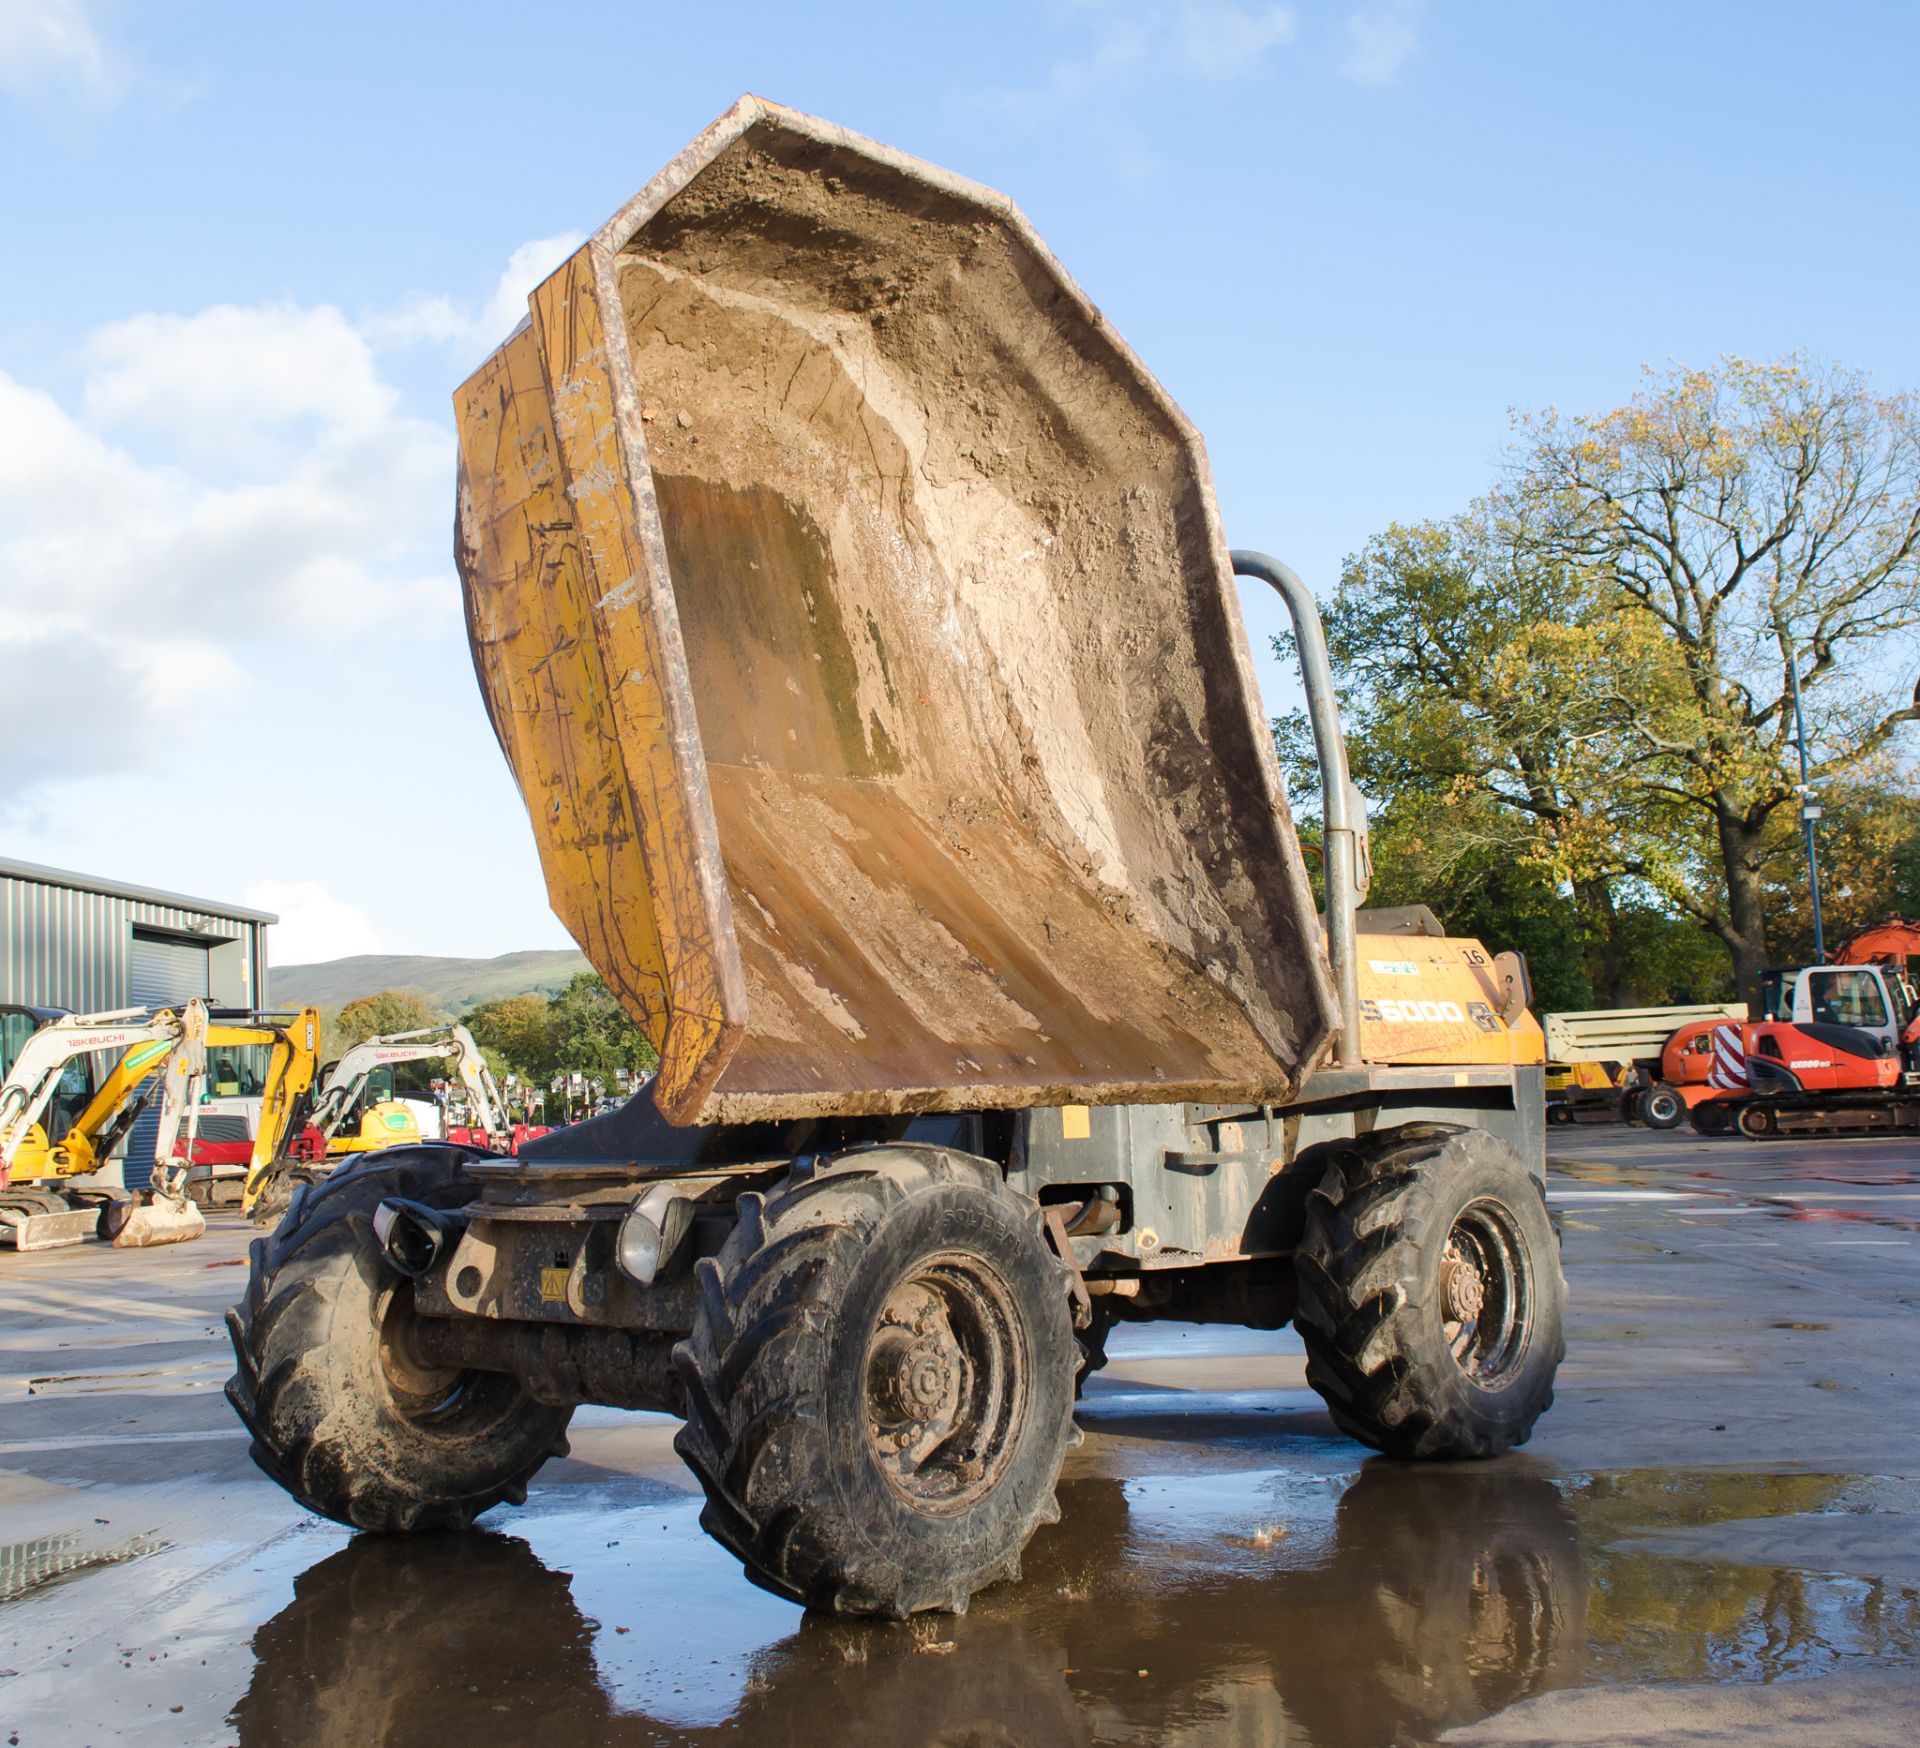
1752, 518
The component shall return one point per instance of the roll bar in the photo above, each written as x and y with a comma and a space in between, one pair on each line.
1343, 812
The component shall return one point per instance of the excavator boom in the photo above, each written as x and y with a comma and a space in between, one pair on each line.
1891, 942
431, 1043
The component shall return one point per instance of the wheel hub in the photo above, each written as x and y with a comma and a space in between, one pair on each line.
1462, 1287
913, 1378
1486, 1293
417, 1387
941, 1387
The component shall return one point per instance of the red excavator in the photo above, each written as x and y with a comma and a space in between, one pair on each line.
1834, 1048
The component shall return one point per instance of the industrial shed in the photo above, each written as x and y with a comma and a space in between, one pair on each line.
73, 941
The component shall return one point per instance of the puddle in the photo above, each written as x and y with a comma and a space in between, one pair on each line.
1335, 1605
1371, 1604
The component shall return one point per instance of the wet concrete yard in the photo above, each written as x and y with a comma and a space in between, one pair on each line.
1715, 1532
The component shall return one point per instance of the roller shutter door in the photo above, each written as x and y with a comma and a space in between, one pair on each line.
165, 973
162, 974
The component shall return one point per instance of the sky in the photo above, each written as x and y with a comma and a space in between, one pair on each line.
251, 252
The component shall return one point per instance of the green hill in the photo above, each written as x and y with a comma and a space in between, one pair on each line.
452, 985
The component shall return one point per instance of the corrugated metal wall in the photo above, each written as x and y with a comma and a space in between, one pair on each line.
67, 948
63, 948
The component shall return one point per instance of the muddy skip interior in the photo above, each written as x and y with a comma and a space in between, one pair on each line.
984, 757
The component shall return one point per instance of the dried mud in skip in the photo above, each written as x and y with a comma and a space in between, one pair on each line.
955, 813
1714, 1531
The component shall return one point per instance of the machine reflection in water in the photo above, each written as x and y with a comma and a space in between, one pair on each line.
1401, 1606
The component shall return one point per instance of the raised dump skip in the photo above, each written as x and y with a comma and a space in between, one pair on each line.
854, 612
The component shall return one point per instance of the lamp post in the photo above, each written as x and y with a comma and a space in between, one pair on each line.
1811, 811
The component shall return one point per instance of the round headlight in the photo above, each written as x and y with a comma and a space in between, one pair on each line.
651, 1232
638, 1249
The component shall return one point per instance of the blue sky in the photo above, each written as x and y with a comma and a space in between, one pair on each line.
252, 251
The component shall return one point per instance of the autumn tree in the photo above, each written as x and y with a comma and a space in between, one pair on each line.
378, 1016
592, 1033
519, 1029
1745, 519
1590, 673
1869, 864
1475, 682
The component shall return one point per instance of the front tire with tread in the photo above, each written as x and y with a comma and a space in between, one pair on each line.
321, 1380
780, 1370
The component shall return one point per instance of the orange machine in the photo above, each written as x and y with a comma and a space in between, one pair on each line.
1832, 1050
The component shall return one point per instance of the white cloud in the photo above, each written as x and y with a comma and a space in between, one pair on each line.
229, 624
50, 47
1229, 41
228, 380
1380, 39
242, 480
1132, 43
443, 321
313, 926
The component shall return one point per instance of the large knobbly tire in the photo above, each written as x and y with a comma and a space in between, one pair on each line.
340, 1416
880, 1383
1430, 1293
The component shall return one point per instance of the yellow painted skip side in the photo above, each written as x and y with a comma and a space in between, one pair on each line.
570, 643
1436, 1001
621, 542
542, 674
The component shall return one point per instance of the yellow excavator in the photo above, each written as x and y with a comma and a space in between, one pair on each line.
39, 1209
349, 1116
48, 1091
280, 1128
388, 1122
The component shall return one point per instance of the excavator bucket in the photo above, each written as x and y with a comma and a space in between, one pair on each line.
148, 1220
854, 612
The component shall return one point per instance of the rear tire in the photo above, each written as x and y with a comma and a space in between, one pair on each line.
880, 1383
1662, 1108
1430, 1293
341, 1415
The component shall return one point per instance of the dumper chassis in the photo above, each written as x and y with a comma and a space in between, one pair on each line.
875, 1342
852, 608
875, 1328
